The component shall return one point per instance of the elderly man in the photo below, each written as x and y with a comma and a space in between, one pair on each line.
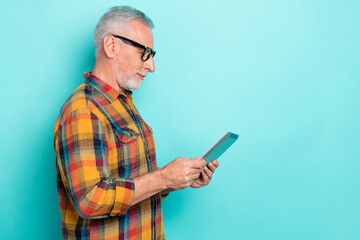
109, 185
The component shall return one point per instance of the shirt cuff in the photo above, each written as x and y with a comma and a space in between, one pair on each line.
124, 196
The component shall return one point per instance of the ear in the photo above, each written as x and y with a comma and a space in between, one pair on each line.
110, 46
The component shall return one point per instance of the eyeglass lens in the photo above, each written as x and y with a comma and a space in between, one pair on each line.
147, 54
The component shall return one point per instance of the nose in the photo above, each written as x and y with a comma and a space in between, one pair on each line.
149, 64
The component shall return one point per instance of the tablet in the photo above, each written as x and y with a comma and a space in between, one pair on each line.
220, 147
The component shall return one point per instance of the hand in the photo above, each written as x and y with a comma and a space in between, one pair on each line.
206, 174
182, 172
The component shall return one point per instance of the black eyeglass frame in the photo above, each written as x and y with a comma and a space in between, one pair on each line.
133, 43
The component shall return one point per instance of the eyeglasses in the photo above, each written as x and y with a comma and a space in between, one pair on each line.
148, 52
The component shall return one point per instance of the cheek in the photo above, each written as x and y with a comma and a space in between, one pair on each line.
136, 63
131, 63
124, 67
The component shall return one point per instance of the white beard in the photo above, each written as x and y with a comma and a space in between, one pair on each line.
129, 83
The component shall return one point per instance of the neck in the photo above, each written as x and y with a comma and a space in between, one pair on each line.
105, 70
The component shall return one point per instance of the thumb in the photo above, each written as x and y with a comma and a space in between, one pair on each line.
200, 162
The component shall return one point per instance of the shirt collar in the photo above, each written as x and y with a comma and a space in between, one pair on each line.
110, 93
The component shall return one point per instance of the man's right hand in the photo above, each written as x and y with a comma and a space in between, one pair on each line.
182, 172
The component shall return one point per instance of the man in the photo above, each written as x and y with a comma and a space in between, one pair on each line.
109, 185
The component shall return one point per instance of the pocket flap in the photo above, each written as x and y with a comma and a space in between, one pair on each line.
127, 134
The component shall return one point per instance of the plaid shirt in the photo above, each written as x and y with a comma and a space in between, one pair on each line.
101, 144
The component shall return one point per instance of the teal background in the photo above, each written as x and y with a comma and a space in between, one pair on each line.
284, 75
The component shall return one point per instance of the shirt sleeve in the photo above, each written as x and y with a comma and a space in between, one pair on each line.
81, 150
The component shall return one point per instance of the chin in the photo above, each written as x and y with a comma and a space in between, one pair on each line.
133, 84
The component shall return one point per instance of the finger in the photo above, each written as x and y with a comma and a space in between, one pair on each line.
193, 163
211, 166
203, 162
215, 162
205, 176
195, 172
195, 176
199, 163
208, 172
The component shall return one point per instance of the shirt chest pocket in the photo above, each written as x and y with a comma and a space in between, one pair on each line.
127, 145
127, 134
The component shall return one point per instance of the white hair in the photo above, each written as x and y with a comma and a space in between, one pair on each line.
115, 20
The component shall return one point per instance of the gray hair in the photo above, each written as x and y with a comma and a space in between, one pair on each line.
115, 20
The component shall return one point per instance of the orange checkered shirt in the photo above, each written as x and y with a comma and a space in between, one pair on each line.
101, 144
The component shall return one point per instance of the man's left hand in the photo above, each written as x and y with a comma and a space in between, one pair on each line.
206, 174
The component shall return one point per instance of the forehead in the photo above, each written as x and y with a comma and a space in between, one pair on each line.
137, 31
